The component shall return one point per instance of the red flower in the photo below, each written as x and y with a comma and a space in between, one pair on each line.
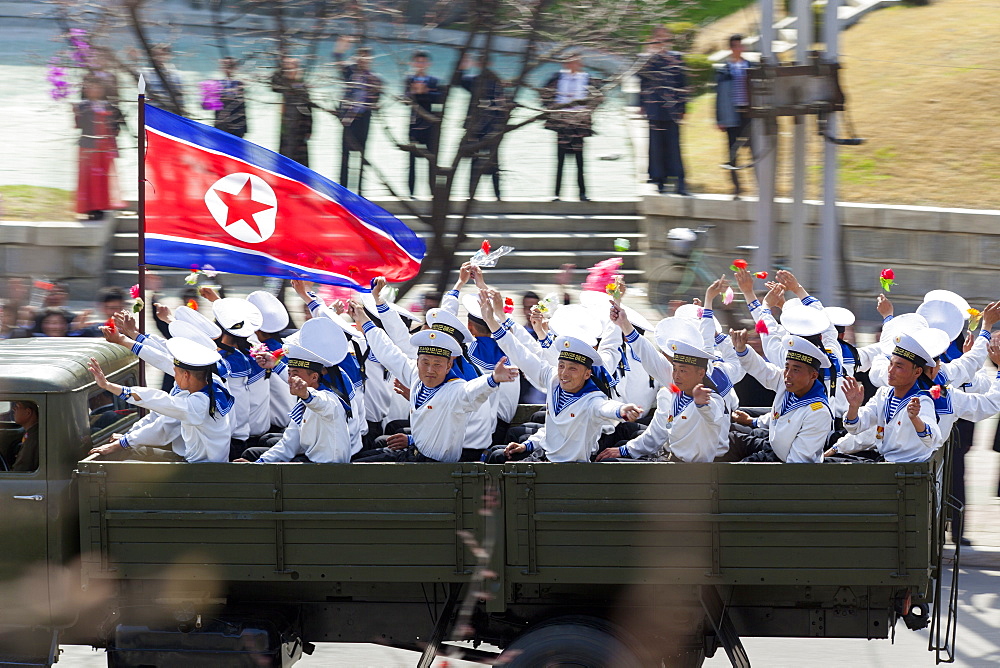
508, 305
889, 274
134, 291
194, 267
761, 275
486, 246
740, 264
110, 324
192, 304
935, 392
675, 389
761, 327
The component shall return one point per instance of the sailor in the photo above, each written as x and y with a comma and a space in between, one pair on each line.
239, 319
274, 321
903, 418
318, 428
440, 401
202, 407
691, 423
578, 405
801, 419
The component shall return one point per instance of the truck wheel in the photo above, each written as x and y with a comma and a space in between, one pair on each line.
581, 643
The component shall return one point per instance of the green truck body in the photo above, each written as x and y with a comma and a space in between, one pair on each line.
670, 561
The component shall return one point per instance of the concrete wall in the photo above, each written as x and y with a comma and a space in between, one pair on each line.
73, 251
928, 248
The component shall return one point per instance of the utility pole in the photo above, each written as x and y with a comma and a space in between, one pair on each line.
829, 264
765, 138
798, 245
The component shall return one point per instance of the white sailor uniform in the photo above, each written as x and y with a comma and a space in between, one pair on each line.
317, 428
895, 437
691, 433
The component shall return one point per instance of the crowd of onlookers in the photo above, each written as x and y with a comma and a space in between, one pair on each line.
37, 308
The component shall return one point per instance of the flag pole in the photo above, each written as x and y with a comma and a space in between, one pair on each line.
142, 216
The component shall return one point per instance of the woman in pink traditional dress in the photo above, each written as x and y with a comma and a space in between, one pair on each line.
99, 122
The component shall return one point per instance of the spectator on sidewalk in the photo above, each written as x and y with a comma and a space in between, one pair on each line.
99, 122
571, 95
296, 110
232, 117
484, 123
423, 93
732, 104
664, 101
362, 91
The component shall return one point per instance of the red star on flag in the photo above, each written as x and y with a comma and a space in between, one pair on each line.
242, 206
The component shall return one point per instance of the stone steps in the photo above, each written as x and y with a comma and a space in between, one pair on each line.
543, 239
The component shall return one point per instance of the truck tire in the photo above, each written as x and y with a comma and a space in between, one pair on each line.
578, 642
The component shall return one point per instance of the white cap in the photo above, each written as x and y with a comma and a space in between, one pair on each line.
839, 316
804, 321
694, 313
578, 322
237, 316
934, 341
299, 356
909, 347
271, 309
595, 299
323, 336
443, 321
433, 342
799, 350
471, 304
180, 329
790, 303
191, 355
676, 329
943, 315
908, 322
189, 315
683, 352
949, 296
637, 319
576, 350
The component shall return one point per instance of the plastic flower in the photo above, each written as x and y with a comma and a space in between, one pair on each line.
614, 289
727, 297
138, 305
738, 264
761, 327
486, 246
675, 389
935, 392
192, 304
601, 274
134, 291
487, 257
508, 305
974, 317
209, 271
760, 274
887, 279
622, 245
258, 349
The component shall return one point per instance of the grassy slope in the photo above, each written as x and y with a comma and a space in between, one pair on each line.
931, 131
34, 203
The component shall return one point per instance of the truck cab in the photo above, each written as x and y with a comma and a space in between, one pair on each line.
45, 383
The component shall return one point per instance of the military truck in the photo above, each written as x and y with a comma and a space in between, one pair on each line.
628, 564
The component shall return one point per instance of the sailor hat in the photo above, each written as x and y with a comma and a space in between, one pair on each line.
943, 315
912, 347
471, 304
191, 355
804, 321
433, 342
237, 316
323, 336
677, 329
908, 322
683, 352
179, 329
578, 322
189, 315
271, 309
595, 299
576, 350
694, 312
369, 303
839, 316
949, 296
792, 302
798, 349
300, 357
443, 321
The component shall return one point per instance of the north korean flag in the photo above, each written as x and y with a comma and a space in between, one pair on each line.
215, 199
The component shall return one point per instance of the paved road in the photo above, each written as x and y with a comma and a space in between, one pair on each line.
978, 643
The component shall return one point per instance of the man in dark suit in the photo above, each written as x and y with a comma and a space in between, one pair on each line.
664, 101
362, 91
424, 92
